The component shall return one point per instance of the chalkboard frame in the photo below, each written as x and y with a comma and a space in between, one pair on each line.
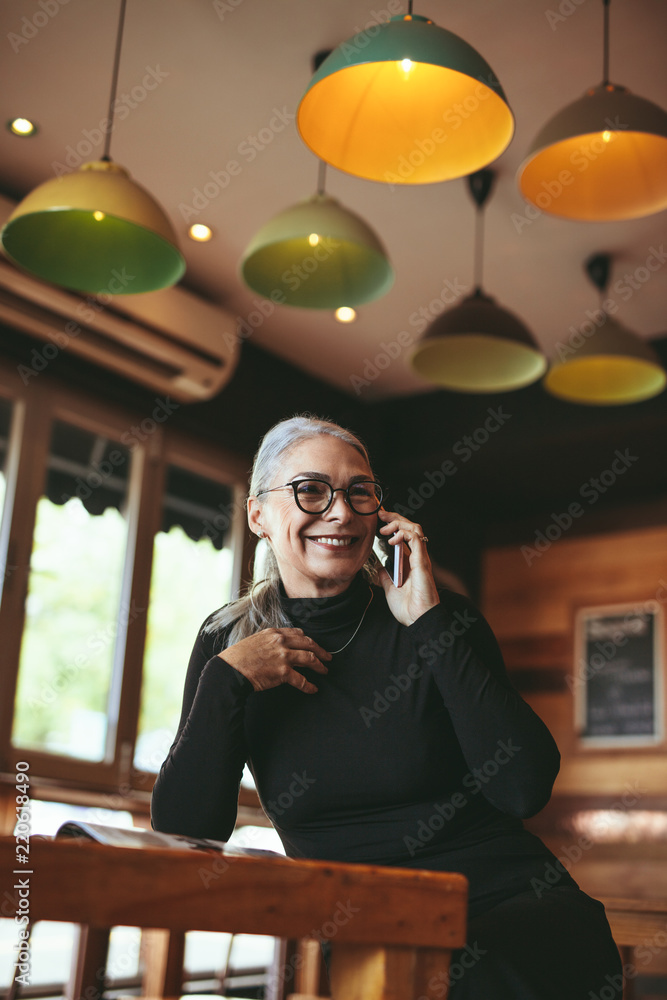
586, 675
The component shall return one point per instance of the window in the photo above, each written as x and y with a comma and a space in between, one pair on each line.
74, 610
120, 535
192, 576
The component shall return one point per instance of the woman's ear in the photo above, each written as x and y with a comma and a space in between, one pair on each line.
255, 516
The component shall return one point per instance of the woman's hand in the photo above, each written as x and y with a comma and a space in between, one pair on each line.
267, 658
419, 592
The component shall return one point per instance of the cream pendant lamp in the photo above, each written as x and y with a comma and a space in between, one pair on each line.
602, 158
477, 346
317, 255
85, 229
405, 102
604, 363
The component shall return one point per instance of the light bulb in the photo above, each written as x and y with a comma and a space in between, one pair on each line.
406, 65
345, 314
606, 136
313, 239
98, 216
198, 231
21, 126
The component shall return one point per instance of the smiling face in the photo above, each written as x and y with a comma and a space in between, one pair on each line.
318, 554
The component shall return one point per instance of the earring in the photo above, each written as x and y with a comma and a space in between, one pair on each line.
260, 534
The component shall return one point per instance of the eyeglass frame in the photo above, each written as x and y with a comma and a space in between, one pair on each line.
339, 489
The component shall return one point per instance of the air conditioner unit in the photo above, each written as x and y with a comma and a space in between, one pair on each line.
171, 341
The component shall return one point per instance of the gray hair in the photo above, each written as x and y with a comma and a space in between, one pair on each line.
260, 608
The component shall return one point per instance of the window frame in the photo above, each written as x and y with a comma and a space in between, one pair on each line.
35, 407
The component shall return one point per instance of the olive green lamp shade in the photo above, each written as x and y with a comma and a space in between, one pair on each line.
612, 366
411, 104
94, 230
478, 347
602, 158
317, 255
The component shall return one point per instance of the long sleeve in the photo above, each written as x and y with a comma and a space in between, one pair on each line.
196, 791
512, 757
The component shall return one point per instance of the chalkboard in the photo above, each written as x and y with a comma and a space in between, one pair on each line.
617, 678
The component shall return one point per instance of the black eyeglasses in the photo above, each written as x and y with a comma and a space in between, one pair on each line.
314, 496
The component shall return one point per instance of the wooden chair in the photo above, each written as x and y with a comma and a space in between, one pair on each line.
391, 929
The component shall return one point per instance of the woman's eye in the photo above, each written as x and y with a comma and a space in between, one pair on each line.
362, 490
310, 487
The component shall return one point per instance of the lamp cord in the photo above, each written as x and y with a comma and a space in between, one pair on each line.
605, 44
321, 174
410, 7
479, 248
114, 80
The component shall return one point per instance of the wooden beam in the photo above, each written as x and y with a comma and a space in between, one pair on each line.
191, 890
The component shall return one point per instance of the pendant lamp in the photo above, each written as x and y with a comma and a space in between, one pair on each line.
602, 158
405, 102
95, 230
317, 255
604, 363
477, 346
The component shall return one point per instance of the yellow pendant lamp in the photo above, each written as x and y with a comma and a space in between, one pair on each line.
604, 363
405, 102
317, 255
95, 230
602, 158
477, 346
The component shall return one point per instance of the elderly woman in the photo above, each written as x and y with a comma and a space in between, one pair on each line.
379, 724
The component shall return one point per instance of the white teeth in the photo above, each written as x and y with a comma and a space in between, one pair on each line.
334, 541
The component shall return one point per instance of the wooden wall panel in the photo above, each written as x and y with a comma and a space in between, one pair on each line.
530, 602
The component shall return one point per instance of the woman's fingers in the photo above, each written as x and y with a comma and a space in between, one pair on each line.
298, 681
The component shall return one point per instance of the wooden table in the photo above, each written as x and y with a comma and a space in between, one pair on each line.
391, 929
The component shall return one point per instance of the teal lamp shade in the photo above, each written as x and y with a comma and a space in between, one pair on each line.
410, 104
94, 230
317, 255
613, 366
602, 158
478, 347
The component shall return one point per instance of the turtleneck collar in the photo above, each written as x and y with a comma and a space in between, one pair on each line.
323, 613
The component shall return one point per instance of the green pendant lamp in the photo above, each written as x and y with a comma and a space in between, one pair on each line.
605, 364
602, 158
95, 230
405, 102
477, 346
317, 255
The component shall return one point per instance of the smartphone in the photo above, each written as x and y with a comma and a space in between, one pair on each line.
394, 556
399, 555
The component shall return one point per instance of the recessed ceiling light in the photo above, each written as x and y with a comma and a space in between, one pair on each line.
21, 126
200, 233
344, 314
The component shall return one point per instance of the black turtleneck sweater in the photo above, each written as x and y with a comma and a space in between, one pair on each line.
415, 751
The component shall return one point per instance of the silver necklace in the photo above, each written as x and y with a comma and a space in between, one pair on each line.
334, 651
